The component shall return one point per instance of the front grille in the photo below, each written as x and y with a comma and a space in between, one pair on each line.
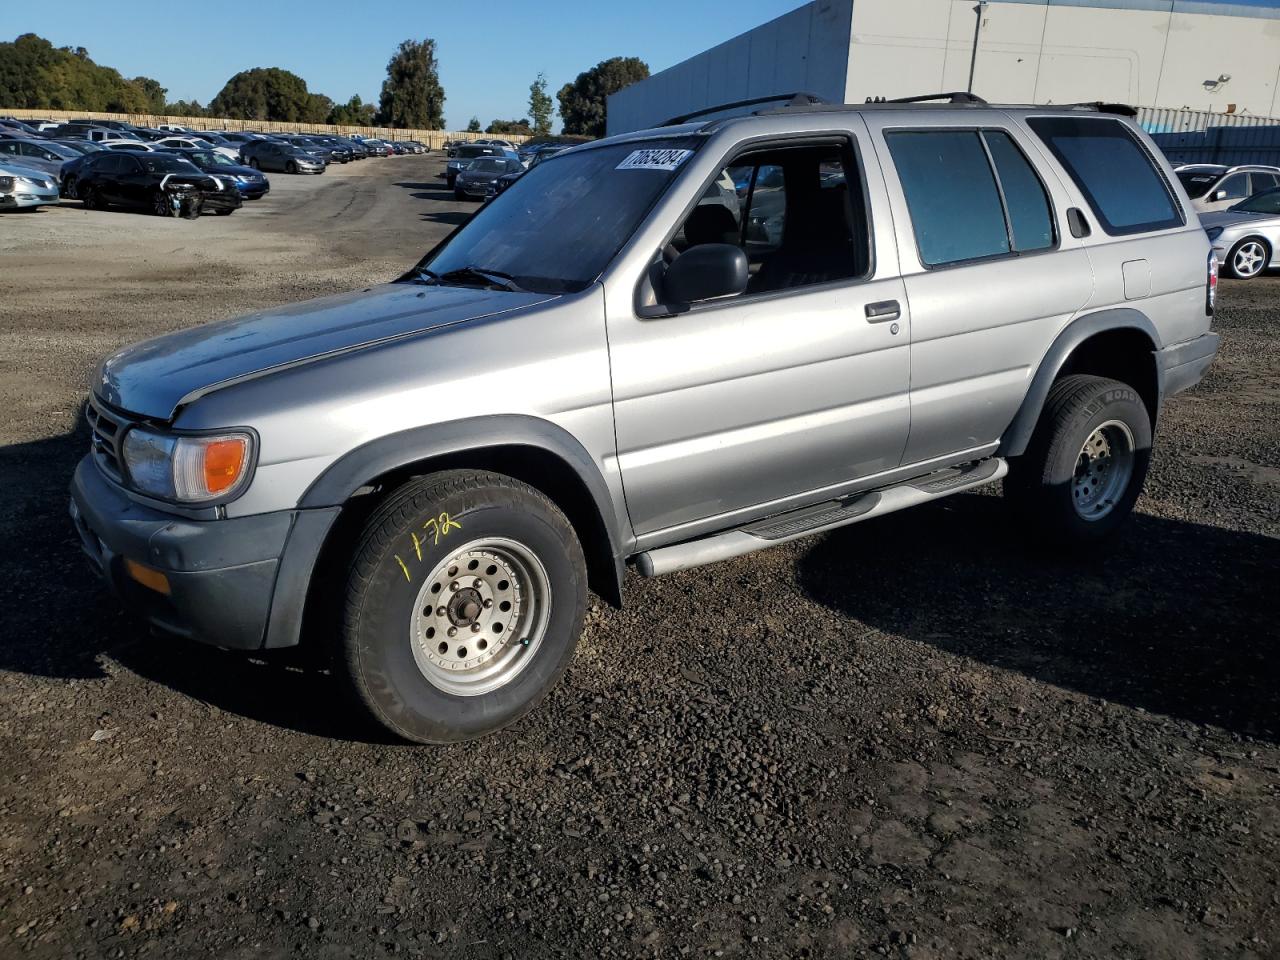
108, 429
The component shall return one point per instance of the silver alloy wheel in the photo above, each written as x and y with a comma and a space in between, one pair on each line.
1248, 259
480, 617
1103, 471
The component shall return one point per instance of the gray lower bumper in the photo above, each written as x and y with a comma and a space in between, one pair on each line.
222, 574
1183, 365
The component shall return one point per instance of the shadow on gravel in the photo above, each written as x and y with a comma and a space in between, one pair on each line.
440, 193
1175, 618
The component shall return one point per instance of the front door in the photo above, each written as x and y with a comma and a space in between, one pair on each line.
750, 405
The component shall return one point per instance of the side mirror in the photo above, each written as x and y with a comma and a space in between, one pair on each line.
705, 272
1220, 195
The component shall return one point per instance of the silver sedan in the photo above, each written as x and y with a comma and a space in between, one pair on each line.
1246, 238
23, 187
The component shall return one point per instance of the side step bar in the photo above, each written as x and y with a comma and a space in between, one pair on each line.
818, 518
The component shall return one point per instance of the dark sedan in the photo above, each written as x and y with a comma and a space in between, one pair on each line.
476, 179
252, 184
275, 155
166, 184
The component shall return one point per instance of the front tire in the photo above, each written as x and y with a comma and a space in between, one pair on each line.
292, 167
1084, 468
1248, 258
91, 197
464, 603
160, 204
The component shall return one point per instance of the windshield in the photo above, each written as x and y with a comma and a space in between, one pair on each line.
1198, 182
468, 152
1267, 202
487, 165
212, 158
561, 223
159, 163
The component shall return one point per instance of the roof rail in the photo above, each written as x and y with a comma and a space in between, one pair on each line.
1120, 109
800, 99
954, 96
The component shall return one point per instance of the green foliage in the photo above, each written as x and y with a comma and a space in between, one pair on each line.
269, 93
412, 95
540, 105
473, 125
354, 113
184, 109
583, 102
37, 75
516, 127
154, 93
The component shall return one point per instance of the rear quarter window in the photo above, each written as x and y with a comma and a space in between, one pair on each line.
1116, 174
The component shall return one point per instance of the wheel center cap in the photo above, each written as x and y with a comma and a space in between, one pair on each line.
465, 607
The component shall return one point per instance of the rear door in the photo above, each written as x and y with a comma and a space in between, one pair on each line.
992, 274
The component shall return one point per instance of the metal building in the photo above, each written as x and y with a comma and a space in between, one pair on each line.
1204, 55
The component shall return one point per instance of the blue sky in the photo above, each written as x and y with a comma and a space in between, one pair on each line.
489, 52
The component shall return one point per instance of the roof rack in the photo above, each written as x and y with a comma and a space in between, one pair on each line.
800, 99
954, 96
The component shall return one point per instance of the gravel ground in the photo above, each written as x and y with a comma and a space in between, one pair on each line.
916, 737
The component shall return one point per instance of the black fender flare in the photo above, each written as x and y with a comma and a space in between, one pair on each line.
321, 503
1018, 434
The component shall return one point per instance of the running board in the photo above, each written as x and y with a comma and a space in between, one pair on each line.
819, 518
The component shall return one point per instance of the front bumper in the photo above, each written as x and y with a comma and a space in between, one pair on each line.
27, 198
222, 200
1184, 364
471, 189
239, 583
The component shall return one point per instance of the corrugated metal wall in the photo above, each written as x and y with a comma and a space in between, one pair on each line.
1166, 120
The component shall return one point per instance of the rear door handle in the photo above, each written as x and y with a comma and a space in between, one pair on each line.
883, 311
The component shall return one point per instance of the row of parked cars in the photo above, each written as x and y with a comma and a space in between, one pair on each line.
1239, 208
482, 169
170, 169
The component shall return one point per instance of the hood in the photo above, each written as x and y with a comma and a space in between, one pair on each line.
8, 169
155, 377
1229, 218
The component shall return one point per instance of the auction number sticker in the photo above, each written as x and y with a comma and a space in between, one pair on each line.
655, 159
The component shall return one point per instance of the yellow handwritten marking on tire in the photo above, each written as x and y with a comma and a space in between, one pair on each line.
404, 568
417, 546
440, 526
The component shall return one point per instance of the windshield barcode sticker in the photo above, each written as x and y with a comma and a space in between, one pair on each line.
655, 159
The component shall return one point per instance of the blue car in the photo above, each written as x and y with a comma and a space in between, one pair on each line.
252, 184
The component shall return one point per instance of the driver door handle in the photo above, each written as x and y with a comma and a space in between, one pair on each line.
883, 311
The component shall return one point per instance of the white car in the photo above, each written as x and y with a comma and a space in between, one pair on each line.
174, 128
196, 143
23, 187
1215, 186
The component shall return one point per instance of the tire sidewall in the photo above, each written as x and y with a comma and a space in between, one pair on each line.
1231, 256
1111, 401
378, 640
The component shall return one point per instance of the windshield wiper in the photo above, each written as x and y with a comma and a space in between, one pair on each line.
493, 278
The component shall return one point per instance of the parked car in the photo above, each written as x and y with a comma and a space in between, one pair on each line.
465, 154
252, 184
274, 155
544, 152
476, 179
95, 132
1213, 186
232, 153
134, 146
79, 146
1246, 237
375, 147
44, 155
358, 149
24, 188
173, 128
1039, 291
343, 150
319, 147
164, 183
243, 136
415, 146
21, 127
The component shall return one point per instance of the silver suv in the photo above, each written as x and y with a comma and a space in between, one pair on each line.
664, 348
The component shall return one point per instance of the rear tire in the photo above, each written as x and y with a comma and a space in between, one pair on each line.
1248, 258
465, 597
92, 199
1084, 468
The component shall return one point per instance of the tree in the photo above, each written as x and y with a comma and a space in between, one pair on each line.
411, 94
184, 108
516, 127
354, 113
153, 92
540, 106
318, 108
473, 125
35, 74
265, 93
583, 103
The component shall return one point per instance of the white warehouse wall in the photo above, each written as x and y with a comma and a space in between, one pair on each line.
1155, 53
804, 50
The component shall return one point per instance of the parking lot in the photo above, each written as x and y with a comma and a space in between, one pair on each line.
915, 737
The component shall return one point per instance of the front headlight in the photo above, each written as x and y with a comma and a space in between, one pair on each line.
187, 469
1214, 232
6, 184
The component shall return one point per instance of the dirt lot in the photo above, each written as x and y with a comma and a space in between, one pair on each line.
918, 737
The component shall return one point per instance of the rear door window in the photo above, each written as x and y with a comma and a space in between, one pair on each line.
1113, 170
1030, 216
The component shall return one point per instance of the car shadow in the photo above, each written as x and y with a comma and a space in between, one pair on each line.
1173, 617
58, 620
